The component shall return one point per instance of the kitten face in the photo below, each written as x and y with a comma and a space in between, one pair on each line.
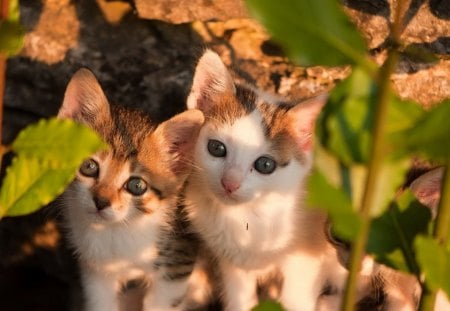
240, 163
115, 190
143, 168
248, 148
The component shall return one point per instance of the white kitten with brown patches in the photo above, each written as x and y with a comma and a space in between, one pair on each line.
244, 196
121, 210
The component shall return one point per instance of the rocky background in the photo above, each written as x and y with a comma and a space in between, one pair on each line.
144, 53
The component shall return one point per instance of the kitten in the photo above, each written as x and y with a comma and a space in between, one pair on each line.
121, 210
244, 196
383, 288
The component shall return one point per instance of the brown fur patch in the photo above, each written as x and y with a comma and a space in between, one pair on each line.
228, 106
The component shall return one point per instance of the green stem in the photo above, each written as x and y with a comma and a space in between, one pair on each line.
375, 163
374, 170
405, 247
440, 232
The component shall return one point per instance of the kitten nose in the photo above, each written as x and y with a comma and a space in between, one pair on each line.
230, 185
101, 203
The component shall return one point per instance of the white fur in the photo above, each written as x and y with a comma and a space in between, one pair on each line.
263, 224
115, 246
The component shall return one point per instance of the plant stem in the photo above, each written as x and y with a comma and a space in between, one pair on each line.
374, 170
440, 232
375, 163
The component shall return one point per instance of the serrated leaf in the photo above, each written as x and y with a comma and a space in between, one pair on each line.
314, 32
392, 234
57, 141
48, 155
321, 194
268, 306
429, 136
31, 183
434, 261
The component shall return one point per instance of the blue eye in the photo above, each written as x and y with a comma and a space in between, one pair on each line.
89, 168
265, 165
216, 148
136, 186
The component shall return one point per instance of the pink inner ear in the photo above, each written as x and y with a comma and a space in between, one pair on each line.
179, 135
306, 141
303, 118
303, 131
211, 77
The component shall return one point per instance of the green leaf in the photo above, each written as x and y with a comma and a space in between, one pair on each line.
11, 31
314, 32
57, 141
13, 11
392, 234
11, 37
268, 306
30, 184
434, 261
321, 194
346, 125
48, 155
429, 136
344, 130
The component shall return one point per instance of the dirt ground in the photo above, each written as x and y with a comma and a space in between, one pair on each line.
149, 64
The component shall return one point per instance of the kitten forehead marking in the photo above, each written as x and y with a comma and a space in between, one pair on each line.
248, 118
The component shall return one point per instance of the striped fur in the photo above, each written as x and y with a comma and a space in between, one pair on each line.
120, 236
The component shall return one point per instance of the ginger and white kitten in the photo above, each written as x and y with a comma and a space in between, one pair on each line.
244, 196
121, 210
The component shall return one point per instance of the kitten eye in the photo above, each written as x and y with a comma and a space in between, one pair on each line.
216, 148
265, 165
89, 168
136, 186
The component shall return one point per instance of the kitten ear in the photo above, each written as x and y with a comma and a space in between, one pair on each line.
427, 188
177, 138
84, 99
302, 118
211, 78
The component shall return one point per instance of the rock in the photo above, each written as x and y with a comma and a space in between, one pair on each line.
185, 11
55, 32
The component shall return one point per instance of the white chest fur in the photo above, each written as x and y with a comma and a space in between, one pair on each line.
250, 235
125, 250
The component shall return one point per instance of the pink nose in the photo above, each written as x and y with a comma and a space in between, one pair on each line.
230, 185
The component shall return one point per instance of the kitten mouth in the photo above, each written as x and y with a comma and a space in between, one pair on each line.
99, 216
227, 198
